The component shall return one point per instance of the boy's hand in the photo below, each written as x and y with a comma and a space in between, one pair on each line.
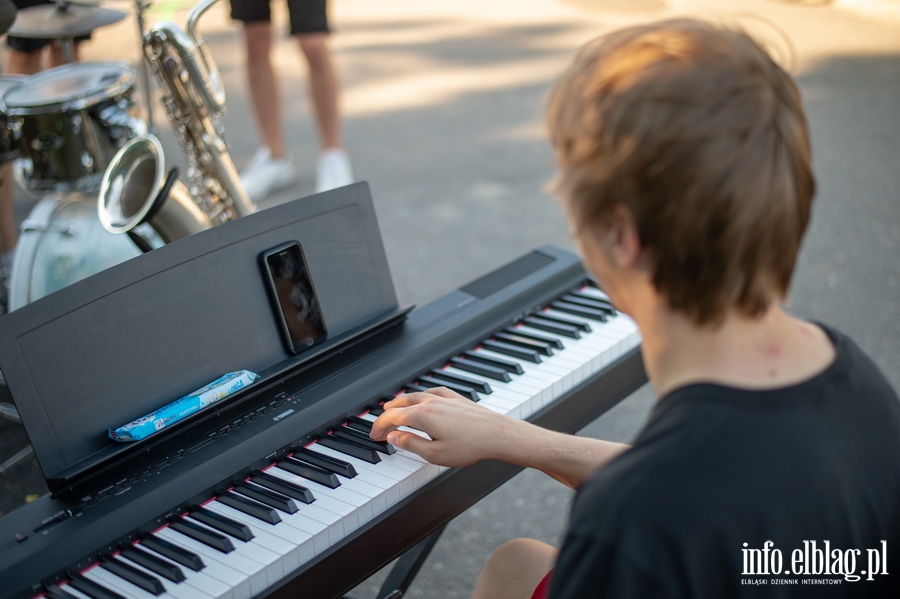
462, 432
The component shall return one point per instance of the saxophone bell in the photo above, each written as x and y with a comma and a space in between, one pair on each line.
135, 190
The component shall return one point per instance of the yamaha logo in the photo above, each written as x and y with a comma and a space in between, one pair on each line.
284, 414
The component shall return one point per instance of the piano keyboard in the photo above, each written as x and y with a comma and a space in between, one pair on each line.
257, 530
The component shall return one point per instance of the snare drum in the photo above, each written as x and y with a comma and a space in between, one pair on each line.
69, 121
9, 150
61, 242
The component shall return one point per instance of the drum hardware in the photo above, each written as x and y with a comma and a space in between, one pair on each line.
141, 6
67, 229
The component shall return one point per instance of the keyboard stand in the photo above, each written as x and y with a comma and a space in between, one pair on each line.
408, 565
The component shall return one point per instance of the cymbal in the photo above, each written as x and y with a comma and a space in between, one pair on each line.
7, 15
49, 21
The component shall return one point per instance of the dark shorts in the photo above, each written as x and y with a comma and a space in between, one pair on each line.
29, 45
307, 16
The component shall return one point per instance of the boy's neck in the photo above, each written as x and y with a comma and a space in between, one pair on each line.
772, 351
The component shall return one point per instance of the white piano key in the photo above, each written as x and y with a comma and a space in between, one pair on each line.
342, 501
237, 563
510, 408
180, 590
591, 290
402, 479
270, 559
361, 484
510, 391
532, 374
301, 541
285, 552
203, 580
386, 470
73, 591
382, 481
119, 585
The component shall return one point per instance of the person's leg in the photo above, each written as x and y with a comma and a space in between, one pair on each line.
514, 570
264, 92
309, 23
22, 63
323, 86
8, 236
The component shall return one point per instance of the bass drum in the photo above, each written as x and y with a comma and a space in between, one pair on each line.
61, 242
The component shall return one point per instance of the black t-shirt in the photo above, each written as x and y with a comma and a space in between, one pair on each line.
717, 472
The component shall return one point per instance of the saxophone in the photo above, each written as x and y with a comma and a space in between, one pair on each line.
135, 189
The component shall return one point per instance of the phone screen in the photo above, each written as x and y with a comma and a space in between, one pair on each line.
301, 316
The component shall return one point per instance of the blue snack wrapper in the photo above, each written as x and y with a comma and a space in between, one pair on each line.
182, 408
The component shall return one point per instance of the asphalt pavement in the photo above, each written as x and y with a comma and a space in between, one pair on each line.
443, 116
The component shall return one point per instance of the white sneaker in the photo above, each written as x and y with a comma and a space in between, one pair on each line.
333, 170
265, 174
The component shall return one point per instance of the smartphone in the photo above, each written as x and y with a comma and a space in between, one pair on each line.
297, 309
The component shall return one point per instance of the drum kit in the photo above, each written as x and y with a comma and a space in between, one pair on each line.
64, 128
61, 128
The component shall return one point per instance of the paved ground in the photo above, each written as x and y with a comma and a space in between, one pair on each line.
443, 117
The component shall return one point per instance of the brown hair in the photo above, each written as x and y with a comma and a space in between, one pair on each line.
696, 131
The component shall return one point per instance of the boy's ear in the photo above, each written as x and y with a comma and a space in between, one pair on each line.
621, 240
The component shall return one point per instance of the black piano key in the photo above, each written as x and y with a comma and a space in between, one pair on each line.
480, 386
202, 534
177, 554
506, 365
511, 350
285, 487
148, 582
326, 462
363, 426
91, 588
491, 372
310, 472
465, 391
249, 507
348, 434
377, 409
582, 299
54, 592
349, 448
552, 326
590, 313
413, 388
554, 342
267, 497
514, 339
153, 563
223, 524
569, 322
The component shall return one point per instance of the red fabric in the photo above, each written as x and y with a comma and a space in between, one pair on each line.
543, 587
